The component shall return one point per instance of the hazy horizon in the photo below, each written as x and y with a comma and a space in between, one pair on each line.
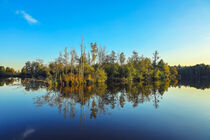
178, 29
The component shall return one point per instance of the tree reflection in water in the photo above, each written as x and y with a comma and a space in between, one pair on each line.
99, 99
7, 81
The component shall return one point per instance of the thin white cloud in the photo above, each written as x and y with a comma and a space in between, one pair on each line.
27, 17
207, 38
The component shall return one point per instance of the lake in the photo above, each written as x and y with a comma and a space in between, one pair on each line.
32, 111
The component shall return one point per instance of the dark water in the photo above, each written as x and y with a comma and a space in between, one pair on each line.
31, 111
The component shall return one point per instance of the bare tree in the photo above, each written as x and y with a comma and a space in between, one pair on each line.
82, 58
88, 58
155, 58
122, 58
94, 52
101, 55
66, 59
60, 58
73, 58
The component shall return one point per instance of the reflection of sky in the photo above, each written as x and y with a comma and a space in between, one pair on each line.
175, 28
25, 134
182, 113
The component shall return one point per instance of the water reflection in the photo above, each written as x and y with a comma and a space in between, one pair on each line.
7, 81
27, 133
202, 84
118, 111
98, 99
33, 85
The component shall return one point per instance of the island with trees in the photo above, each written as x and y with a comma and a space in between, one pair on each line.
98, 66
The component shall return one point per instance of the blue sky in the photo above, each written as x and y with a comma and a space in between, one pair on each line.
178, 29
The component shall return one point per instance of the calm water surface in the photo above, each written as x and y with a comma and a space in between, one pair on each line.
30, 111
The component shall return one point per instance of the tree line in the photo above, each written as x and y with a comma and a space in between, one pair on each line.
199, 72
7, 72
197, 76
97, 66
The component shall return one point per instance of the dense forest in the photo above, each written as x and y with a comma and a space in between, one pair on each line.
199, 72
98, 66
197, 76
